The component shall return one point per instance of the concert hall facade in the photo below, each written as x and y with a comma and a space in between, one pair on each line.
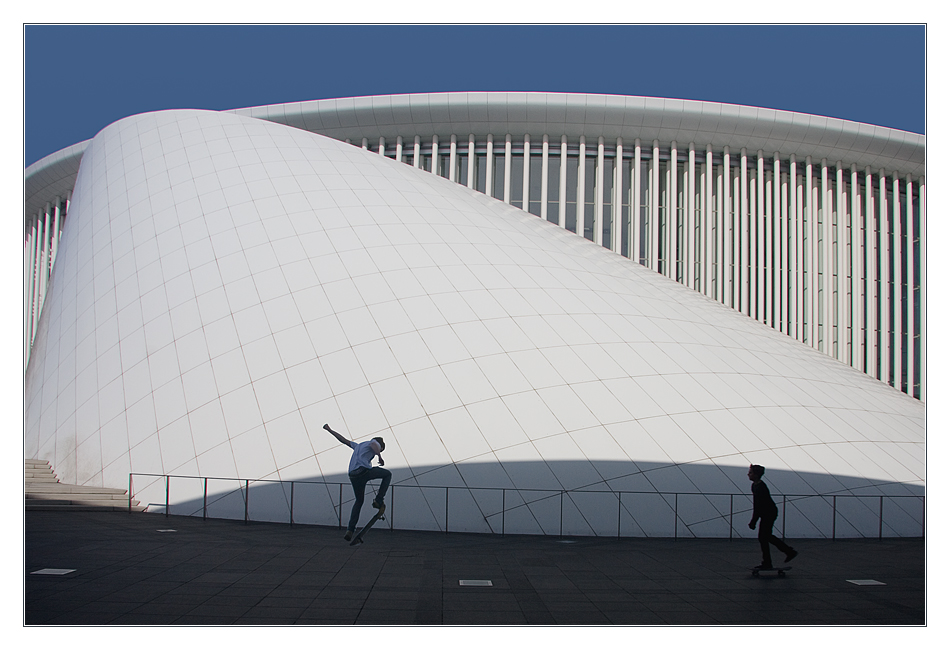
565, 314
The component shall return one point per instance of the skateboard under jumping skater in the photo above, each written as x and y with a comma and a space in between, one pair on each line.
369, 524
780, 569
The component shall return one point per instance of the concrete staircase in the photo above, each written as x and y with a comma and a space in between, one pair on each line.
45, 492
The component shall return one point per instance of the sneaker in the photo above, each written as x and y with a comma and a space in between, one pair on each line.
349, 535
790, 555
378, 504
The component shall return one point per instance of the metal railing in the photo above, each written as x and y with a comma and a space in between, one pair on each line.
816, 515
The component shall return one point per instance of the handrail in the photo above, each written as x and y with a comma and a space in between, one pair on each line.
549, 493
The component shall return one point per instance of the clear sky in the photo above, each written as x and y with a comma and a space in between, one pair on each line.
79, 79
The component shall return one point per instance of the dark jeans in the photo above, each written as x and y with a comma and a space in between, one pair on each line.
359, 479
766, 537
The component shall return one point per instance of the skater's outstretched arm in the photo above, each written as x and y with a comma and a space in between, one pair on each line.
336, 435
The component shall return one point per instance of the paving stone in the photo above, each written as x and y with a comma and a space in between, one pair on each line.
217, 572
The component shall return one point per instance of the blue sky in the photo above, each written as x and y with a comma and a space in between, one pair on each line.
79, 79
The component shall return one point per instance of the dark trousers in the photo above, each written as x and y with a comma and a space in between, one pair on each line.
359, 479
766, 537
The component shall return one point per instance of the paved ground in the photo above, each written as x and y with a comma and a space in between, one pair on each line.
147, 569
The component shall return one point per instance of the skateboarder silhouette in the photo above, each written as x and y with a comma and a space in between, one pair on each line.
361, 471
764, 508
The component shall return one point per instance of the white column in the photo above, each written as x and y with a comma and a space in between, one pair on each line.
416, 152
399, 148
742, 241
489, 167
898, 285
719, 265
728, 256
794, 244
802, 236
635, 203
381, 149
828, 260
365, 144
885, 252
655, 207
56, 229
753, 240
26, 302
811, 256
856, 237
599, 195
508, 168
736, 204
581, 181
842, 253
708, 220
37, 269
616, 212
789, 239
562, 186
29, 265
818, 195
667, 228
672, 210
762, 271
526, 176
453, 159
909, 274
922, 191
780, 211
544, 177
34, 244
871, 294
770, 256
435, 155
690, 262
471, 161
44, 260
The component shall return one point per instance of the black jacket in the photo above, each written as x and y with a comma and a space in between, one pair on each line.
762, 505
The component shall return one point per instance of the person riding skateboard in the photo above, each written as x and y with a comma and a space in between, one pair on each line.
764, 508
361, 471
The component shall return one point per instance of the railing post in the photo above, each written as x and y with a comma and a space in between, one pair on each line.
130, 493
784, 509
167, 481
731, 527
880, 519
446, 509
247, 497
340, 523
204, 506
291, 503
676, 514
619, 511
560, 525
503, 491
834, 514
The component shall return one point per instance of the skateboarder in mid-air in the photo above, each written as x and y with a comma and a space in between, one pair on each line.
361, 471
764, 508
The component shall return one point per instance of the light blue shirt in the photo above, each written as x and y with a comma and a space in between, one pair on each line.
363, 453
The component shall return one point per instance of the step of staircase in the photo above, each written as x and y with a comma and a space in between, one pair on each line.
43, 491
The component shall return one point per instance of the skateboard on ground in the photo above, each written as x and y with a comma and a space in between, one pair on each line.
369, 524
780, 569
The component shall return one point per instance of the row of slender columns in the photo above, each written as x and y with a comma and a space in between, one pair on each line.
795, 245
40, 245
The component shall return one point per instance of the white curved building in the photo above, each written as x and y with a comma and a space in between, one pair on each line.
220, 285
